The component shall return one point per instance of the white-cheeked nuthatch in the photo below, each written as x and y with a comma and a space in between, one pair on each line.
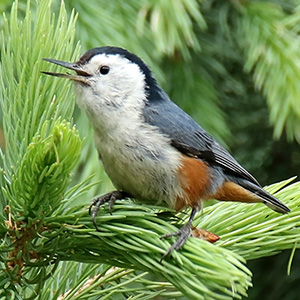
150, 148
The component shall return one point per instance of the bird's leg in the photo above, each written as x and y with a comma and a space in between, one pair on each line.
184, 233
111, 198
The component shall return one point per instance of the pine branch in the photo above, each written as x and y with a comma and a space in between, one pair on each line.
35, 168
168, 26
172, 25
131, 237
105, 282
27, 100
272, 52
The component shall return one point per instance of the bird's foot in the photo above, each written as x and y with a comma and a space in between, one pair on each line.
111, 198
184, 233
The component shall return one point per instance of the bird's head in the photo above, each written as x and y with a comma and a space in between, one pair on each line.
109, 76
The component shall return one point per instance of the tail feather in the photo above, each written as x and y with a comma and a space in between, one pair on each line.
268, 199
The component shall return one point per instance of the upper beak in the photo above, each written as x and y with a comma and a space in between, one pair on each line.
81, 75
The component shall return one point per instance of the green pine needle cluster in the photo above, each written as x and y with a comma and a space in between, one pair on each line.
130, 238
27, 99
41, 179
172, 36
274, 62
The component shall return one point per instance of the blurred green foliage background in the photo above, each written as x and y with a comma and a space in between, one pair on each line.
233, 65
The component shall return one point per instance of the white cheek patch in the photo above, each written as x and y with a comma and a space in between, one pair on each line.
123, 83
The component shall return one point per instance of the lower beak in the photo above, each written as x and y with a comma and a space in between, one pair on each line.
81, 76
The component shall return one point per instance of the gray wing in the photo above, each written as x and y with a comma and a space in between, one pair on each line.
189, 137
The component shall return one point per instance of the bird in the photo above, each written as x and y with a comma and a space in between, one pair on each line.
150, 148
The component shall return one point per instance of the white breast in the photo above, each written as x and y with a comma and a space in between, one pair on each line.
139, 160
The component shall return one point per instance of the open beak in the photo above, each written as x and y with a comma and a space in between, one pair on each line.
80, 77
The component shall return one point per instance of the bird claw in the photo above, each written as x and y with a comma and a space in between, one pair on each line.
184, 233
111, 198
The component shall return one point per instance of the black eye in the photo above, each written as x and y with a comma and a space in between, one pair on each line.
104, 70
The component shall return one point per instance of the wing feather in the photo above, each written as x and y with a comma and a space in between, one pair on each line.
189, 137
